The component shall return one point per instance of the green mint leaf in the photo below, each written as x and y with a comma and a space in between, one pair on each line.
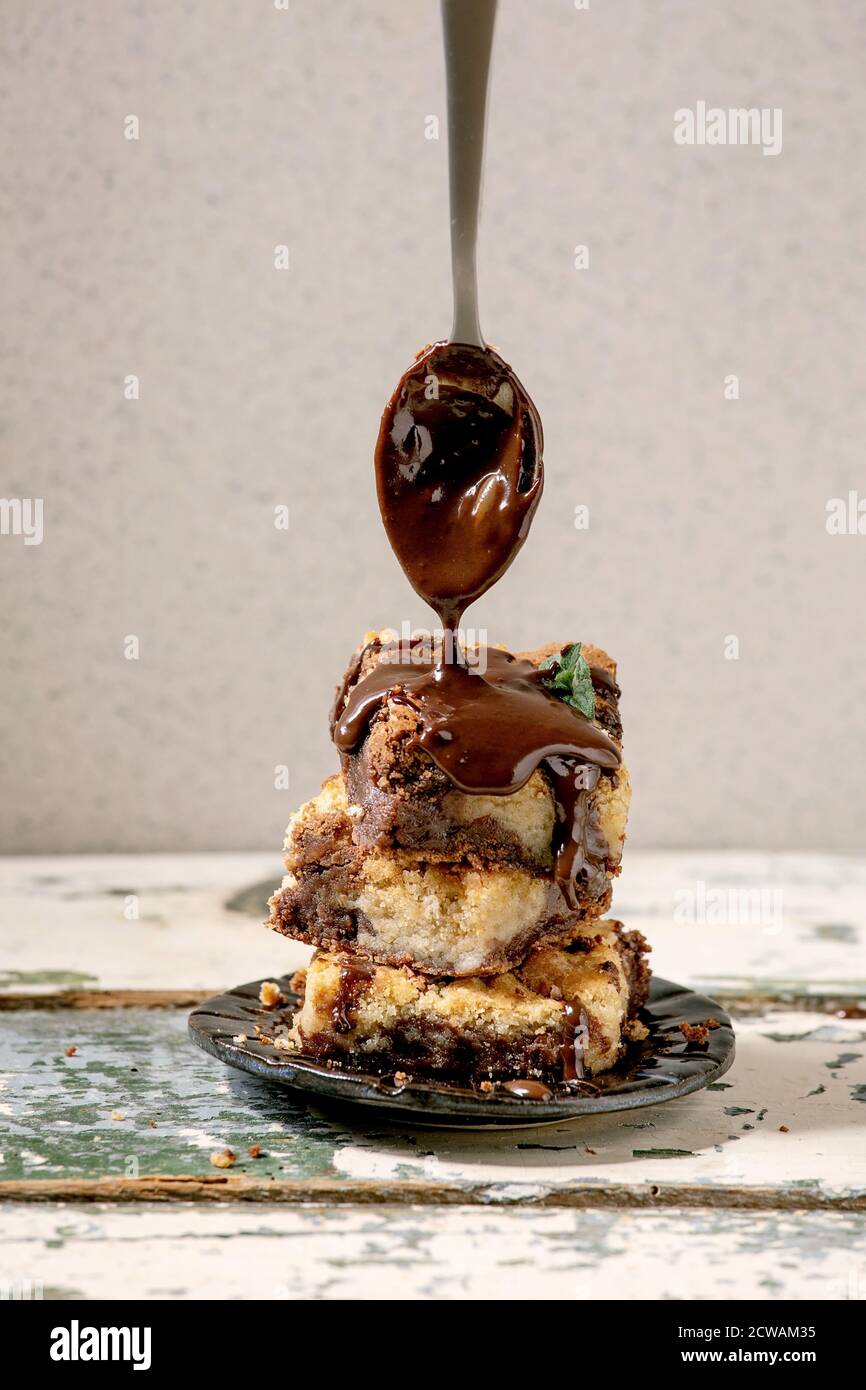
570, 680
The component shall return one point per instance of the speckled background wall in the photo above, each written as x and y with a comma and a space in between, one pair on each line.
261, 387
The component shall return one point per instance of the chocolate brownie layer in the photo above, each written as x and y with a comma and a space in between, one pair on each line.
404, 801
438, 918
569, 1010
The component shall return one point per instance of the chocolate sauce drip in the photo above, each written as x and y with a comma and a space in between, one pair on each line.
342, 692
488, 732
459, 474
602, 677
355, 976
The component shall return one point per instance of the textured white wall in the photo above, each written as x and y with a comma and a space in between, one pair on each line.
260, 387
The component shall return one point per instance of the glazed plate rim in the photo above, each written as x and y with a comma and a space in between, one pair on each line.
682, 1068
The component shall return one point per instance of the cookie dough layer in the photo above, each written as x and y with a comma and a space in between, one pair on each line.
440, 919
580, 998
403, 801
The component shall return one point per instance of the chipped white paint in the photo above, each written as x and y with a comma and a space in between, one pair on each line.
65, 915
804, 1070
64, 924
415, 1253
726, 1137
810, 932
200, 1139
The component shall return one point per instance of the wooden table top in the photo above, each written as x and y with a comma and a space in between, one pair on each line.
755, 1187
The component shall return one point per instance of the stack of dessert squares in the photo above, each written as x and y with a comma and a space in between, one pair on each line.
444, 947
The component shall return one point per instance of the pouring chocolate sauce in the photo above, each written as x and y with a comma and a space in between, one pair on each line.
459, 474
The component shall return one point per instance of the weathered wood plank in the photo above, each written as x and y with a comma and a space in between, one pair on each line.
430, 1253
334, 1192
136, 1099
102, 999
789, 923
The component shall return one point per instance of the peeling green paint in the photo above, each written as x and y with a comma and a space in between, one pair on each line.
836, 931
843, 1060
555, 1148
662, 1153
58, 1120
745, 989
66, 979
828, 1032
141, 1065
773, 1286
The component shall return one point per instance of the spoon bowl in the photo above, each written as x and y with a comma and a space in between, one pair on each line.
459, 473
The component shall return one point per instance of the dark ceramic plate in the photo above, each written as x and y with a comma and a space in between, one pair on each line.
662, 1067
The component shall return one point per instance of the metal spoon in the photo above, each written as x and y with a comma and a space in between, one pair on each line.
458, 462
467, 27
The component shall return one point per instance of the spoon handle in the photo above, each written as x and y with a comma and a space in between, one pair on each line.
468, 31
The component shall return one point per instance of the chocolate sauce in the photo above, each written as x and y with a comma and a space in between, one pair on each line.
602, 677
459, 474
355, 975
527, 1090
488, 732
